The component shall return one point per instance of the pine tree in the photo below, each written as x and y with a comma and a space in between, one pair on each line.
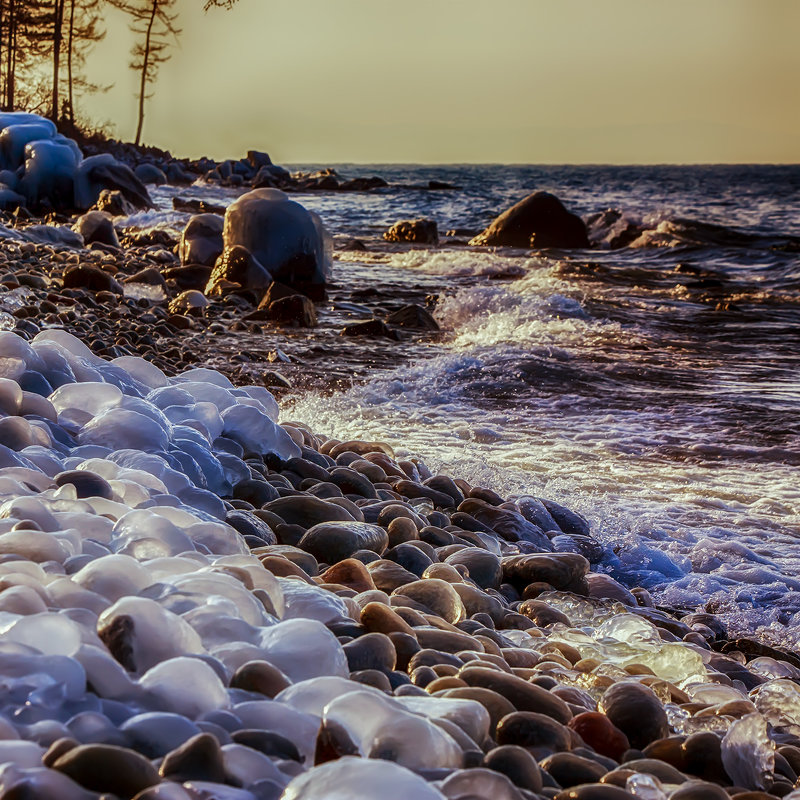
84, 30
154, 24
28, 33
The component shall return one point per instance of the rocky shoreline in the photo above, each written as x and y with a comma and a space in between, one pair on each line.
200, 603
237, 609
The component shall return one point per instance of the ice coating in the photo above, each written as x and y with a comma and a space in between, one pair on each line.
135, 614
39, 164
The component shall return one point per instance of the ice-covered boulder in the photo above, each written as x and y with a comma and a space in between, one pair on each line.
289, 241
104, 172
50, 168
15, 138
360, 779
150, 174
201, 240
95, 226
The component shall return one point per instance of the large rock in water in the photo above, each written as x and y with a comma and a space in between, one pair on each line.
286, 239
540, 220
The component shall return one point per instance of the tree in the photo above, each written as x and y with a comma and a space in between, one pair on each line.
154, 24
227, 4
58, 31
28, 30
83, 32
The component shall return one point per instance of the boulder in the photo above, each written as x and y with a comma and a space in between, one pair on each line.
114, 202
540, 220
49, 174
413, 316
104, 172
86, 276
95, 226
286, 239
269, 176
177, 175
150, 174
201, 240
418, 231
236, 270
371, 327
189, 303
294, 311
258, 159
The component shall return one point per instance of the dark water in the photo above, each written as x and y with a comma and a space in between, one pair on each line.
655, 386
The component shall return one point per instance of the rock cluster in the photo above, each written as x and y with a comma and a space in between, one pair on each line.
199, 602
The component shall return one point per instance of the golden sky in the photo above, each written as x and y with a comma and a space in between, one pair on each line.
487, 81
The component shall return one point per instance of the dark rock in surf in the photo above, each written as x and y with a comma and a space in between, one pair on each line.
114, 202
540, 220
150, 174
417, 231
296, 311
413, 316
372, 327
237, 270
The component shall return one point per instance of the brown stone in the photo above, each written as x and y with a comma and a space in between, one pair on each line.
379, 618
351, 573
261, 677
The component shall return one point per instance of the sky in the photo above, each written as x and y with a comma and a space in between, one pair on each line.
482, 81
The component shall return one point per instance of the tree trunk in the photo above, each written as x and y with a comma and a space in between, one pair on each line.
70, 98
2, 28
11, 54
145, 61
58, 22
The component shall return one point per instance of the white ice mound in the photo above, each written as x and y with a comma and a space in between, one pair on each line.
286, 239
186, 686
380, 727
303, 649
358, 779
42, 167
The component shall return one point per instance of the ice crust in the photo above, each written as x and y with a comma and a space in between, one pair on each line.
128, 603
37, 163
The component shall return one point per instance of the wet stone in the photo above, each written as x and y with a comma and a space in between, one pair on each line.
371, 651
636, 711
261, 677
537, 733
524, 696
517, 764
198, 759
335, 541
600, 734
106, 768
569, 769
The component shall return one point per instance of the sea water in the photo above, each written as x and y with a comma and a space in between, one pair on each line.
653, 387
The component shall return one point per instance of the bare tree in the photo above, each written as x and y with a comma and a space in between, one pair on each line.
83, 32
28, 34
154, 25
58, 35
